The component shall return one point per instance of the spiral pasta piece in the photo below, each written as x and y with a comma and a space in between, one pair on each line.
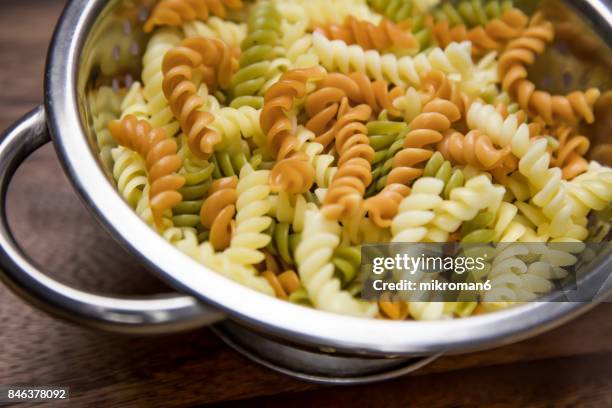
436, 84
160, 114
591, 190
520, 273
322, 106
569, 156
393, 309
475, 149
105, 105
284, 284
426, 129
130, 174
399, 10
179, 66
178, 12
314, 255
384, 206
318, 12
134, 103
162, 162
416, 211
336, 55
252, 207
503, 225
187, 242
234, 125
259, 48
198, 179
465, 203
471, 12
218, 211
293, 171
227, 31
443, 170
384, 36
280, 99
484, 38
347, 260
345, 195
513, 63
534, 161
309, 153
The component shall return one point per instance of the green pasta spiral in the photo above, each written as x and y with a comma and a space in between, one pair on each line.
197, 182
395, 10
227, 165
386, 138
347, 260
471, 13
443, 170
258, 48
477, 231
284, 241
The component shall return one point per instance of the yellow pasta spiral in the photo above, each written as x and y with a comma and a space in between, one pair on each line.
345, 195
293, 172
161, 160
425, 130
475, 149
177, 12
513, 63
383, 207
384, 36
218, 211
212, 59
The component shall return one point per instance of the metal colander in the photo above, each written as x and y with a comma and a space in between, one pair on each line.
99, 42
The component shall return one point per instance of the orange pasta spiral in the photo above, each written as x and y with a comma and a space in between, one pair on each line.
218, 211
491, 37
293, 172
322, 105
284, 283
475, 149
161, 161
344, 197
203, 56
513, 63
383, 207
393, 309
569, 155
384, 36
177, 12
426, 129
435, 84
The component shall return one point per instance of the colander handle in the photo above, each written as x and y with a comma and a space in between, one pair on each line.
153, 315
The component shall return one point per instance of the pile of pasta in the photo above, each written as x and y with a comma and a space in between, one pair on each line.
270, 139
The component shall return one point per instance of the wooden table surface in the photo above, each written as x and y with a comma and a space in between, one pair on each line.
570, 366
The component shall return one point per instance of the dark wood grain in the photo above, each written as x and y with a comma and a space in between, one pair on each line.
567, 367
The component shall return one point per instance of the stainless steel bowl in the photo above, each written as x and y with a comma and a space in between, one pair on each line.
99, 40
